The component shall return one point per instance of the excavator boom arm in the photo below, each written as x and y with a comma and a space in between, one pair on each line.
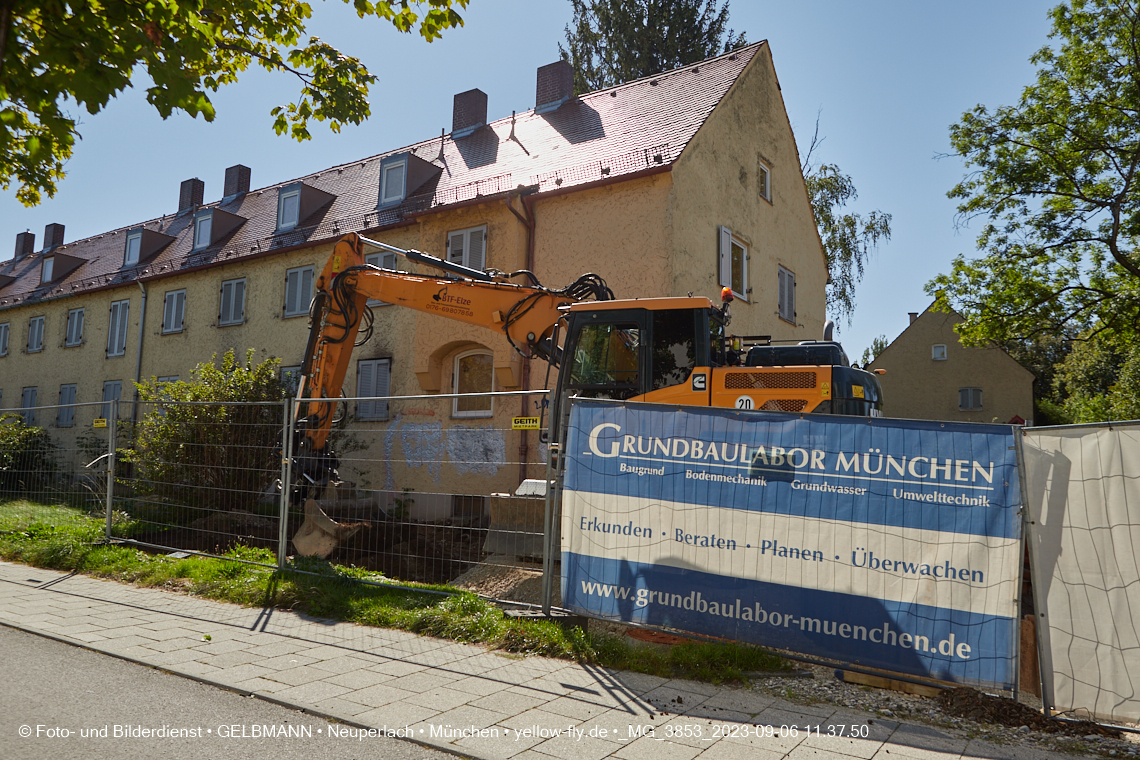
525, 314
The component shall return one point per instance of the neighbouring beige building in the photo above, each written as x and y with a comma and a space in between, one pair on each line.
664, 186
930, 375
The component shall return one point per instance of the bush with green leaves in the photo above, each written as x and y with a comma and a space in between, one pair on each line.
27, 456
206, 443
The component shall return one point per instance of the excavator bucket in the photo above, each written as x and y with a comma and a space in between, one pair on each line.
320, 535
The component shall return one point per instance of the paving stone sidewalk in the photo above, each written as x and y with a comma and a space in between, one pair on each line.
532, 708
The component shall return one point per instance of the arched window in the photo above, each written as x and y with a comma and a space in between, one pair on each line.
474, 373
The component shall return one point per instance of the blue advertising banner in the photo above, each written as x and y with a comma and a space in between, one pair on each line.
893, 544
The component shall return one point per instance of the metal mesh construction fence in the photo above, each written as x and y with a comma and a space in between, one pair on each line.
1082, 487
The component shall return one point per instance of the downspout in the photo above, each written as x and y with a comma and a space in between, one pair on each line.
138, 356
528, 222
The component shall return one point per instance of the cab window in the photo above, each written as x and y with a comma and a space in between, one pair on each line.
606, 361
674, 346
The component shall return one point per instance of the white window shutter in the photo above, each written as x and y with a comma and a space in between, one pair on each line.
475, 249
238, 301
168, 313
292, 290
782, 286
790, 279
180, 310
365, 380
455, 248
124, 315
725, 256
306, 290
79, 315
113, 329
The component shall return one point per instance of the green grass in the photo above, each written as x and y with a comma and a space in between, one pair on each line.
63, 538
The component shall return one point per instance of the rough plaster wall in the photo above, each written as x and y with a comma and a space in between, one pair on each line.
716, 183
421, 443
918, 387
476, 450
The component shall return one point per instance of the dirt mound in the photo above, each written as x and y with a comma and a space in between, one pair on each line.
970, 703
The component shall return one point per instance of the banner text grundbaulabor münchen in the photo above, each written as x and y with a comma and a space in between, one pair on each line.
887, 543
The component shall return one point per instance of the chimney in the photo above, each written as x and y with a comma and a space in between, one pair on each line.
469, 112
53, 236
25, 244
190, 194
237, 181
555, 86
913, 316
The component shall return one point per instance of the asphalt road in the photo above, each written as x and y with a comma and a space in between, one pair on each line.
73, 701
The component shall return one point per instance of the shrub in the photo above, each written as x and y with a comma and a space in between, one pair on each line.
197, 446
27, 456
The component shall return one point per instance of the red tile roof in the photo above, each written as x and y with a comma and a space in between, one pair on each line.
624, 130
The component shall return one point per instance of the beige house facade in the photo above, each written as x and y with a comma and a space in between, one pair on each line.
676, 184
930, 375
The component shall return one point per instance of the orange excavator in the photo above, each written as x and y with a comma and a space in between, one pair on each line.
663, 350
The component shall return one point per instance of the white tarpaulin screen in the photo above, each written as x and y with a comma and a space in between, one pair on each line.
1083, 495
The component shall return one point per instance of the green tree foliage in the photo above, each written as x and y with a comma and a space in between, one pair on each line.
27, 456
217, 452
1055, 177
615, 41
55, 55
1099, 380
848, 239
877, 346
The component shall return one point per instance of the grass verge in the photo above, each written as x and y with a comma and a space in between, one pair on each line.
61, 538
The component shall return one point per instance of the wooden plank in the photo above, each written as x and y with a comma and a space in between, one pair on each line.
880, 682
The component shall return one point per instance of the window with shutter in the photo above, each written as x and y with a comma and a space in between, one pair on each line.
373, 380
74, 327
28, 405
969, 399
66, 415
384, 261
36, 334
4, 339
732, 255
173, 312
117, 332
468, 247
232, 311
298, 291
112, 391
787, 286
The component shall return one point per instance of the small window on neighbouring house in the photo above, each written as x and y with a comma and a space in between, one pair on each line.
74, 328
969, 399
117, 331
384, 261
393, 176
173, 311
36, 335
786, 282
764, 182
232, 311
373, 380
28, 406
468, 247
46, 269
288, 208
938, 352
134, 246
298, 291
733, 256
112, 391
4, 339
474, 373
202, 228
66, 414
166, 379
291, 379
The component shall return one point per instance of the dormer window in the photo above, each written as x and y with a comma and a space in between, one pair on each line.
46, 270
134, 246
212, 225
393, 179
202, 231
288, 208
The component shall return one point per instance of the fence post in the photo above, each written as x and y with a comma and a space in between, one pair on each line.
286, 479
554, 469
114, 408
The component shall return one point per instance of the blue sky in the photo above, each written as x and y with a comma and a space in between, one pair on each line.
887, 78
